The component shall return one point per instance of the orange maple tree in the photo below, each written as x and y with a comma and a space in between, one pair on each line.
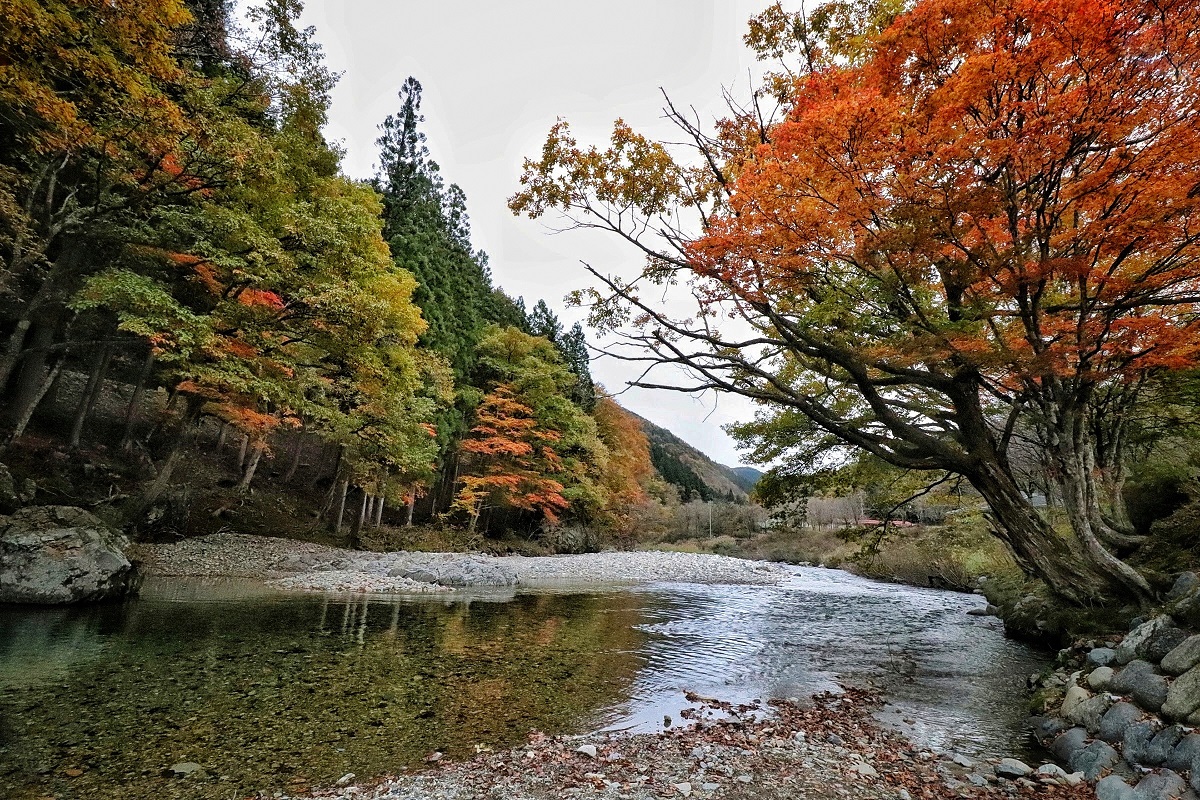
510, 458
967, 234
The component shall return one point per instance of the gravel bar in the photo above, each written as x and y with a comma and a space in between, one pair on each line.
303, 566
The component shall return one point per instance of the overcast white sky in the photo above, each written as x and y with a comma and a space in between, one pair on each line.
496, 75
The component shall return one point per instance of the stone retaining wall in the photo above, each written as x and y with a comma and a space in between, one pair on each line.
1128, 719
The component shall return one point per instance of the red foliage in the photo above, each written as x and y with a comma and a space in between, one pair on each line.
510, 459
261, 297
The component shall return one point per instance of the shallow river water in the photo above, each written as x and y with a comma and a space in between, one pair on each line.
267, 691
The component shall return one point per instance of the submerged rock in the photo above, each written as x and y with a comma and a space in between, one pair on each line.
62, 554
184, 768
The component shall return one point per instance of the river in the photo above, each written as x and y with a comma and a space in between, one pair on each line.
268, 691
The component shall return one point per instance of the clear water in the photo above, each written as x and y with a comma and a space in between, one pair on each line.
269, 691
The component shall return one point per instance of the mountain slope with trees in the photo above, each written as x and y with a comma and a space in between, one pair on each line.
696, 475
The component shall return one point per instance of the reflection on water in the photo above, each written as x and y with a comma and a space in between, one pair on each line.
277, 692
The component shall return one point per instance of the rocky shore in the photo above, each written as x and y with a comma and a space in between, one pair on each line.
303, 566
1125, 712
830, 749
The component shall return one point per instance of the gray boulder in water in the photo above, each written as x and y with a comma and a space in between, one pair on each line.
62, 554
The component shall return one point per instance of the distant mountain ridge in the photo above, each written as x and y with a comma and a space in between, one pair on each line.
745, 477
696, 475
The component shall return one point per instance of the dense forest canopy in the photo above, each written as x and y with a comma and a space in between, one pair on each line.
174, 224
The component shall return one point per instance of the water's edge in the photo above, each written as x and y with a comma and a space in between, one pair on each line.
260, 686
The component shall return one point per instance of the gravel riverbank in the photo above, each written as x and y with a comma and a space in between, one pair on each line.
303, 566
829, 750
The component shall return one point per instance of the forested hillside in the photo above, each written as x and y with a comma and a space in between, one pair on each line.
205, 323
696, 475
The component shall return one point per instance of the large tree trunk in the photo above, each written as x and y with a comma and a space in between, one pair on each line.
297, 453
91, 392
1075, 469
1073, 570
1103, 486
251, 467
344, 488
359, 519
412, 506
32, 370
27, 413
134, 409
155, 490
67, 262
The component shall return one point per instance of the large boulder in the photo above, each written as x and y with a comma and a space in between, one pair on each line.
1068, 743
1101, 657
1185, 753
1163, 745
1136, 640
1139, 680
1117, 719
1135, 745
1094, 760
1162, 642
1185, 584
1089, 713
1100, 679
1160, 785
1074, 696
1183, 657
1186, 605
1184, 696
61, 554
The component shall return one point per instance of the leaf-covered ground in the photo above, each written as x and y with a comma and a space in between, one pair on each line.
831, 749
